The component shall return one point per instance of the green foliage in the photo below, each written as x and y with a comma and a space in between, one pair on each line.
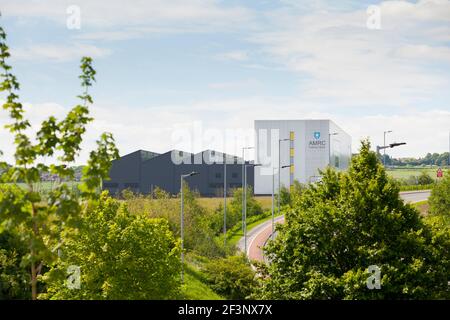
196, 287
424, 179
14, 278
231, 277
200, 224
346, 223
120, 255
40, 222
440, 198
416, 187
285, 196
234, 208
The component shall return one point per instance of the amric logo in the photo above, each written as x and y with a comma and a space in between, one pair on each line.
316, 143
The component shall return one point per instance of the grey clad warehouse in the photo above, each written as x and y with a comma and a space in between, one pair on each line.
143, 171
300, 147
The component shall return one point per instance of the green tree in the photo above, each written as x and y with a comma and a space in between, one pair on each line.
439, 200
231, 277
234, 209
346, 223
41, 222
201, 226
14, 279
120, 256
424, 178
285, 196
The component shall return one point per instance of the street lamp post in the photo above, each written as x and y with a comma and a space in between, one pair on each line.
243, 181
279, 172
224, 200
329, 146
273, 196
245, 204
384, 145
193, 173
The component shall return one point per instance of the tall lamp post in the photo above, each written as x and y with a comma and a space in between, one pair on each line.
245, 204
273, 198
193, 173
279, 172
384, 145
224, 200
243, 181
329, 146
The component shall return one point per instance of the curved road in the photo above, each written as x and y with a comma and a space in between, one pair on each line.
259, 235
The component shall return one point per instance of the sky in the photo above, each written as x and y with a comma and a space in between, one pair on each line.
195, 74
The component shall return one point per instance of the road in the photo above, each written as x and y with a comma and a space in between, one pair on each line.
259, 235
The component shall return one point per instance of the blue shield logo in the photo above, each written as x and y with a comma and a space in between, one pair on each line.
317, 135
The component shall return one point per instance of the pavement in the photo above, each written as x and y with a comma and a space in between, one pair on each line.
259, 235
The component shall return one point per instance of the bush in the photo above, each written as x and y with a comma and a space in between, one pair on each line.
285, 196
234, 209
439, 200
120, 256
14, 277
201, 226
416, 187
231, 277
424, 179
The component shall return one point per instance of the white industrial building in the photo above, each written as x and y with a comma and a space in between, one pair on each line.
306, 146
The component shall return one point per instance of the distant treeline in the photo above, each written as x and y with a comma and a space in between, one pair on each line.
46, 176
431, 159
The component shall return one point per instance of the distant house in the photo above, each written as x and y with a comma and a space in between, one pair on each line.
143, 171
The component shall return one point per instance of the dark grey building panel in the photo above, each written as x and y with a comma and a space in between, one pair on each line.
126, 172
144, 171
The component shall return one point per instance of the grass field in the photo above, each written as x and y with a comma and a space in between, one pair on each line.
213, 203
407, 172
195, 286
48, 185
422, 206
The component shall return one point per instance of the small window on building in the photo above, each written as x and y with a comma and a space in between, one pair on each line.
234, 175
218, 175
336, 161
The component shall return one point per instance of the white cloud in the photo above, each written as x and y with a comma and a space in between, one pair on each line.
152, 128
57, 52
346, 63
113, 13
234, 85
237, 55
422, 131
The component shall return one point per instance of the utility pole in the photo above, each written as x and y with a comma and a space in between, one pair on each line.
193, 173
273, 196
224, 200
279, 171
384, 144
243, 182
391, 145
245, 204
